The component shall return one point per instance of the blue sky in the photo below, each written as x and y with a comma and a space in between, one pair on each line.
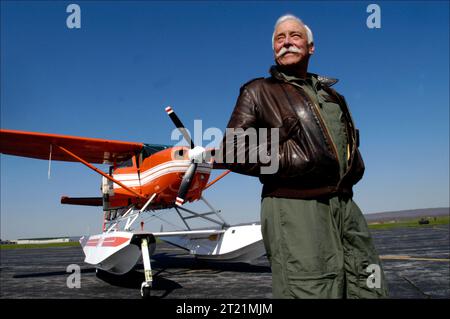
113, 78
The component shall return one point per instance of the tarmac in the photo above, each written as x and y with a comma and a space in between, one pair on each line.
415, 261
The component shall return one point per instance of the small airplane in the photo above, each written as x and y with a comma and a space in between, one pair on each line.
143, 178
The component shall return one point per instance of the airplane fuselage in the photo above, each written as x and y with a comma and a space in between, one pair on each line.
159, 173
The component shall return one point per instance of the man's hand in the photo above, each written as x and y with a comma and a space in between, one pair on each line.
197, 154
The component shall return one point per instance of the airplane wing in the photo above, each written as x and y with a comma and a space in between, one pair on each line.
39, 145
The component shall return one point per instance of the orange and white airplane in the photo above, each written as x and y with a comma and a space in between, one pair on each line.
142, 178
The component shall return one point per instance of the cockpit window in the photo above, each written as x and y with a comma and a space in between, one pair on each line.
127, 163
147, 150
150, 149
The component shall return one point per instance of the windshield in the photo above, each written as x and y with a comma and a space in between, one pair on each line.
150, 149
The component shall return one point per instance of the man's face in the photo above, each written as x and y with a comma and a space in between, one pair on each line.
291, 35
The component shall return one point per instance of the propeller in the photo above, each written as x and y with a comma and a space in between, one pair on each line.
190, 172
175, 119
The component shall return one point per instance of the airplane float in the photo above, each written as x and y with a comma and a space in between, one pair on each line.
143, 178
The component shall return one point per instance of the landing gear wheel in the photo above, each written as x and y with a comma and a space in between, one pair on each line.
145, 290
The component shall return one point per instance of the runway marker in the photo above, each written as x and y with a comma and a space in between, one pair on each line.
400, 257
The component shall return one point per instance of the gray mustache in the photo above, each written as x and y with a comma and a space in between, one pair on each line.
285, 50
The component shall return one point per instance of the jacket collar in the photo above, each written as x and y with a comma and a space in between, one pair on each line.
324, 80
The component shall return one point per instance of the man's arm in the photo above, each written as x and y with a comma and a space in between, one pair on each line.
244, 150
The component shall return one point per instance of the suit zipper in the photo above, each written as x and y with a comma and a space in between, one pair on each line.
322, 122
324, 126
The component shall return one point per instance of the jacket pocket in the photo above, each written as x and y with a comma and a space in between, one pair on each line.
290, 128
294, 159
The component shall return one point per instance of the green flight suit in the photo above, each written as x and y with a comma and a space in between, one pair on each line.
321, 248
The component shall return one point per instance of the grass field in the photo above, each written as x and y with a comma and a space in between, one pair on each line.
26, 246
433, 221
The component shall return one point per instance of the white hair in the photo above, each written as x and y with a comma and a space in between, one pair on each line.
286, 17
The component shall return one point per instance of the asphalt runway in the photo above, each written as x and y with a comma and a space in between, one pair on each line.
415, 262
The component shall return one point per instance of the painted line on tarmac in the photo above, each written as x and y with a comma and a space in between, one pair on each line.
400, 257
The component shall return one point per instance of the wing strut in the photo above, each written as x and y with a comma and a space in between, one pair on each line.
217, 179
99, 171
50, 161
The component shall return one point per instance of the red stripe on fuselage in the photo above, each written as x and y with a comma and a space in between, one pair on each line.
92, 242
108, 242
114, 241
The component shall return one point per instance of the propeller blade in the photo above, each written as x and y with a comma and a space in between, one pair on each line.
186, 184
173, 116
190, 172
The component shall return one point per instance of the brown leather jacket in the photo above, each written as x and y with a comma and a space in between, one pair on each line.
308, 161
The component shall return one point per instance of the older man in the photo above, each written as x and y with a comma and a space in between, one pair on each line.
316, 237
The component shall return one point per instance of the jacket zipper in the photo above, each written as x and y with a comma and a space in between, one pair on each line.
323, 125
322, 122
